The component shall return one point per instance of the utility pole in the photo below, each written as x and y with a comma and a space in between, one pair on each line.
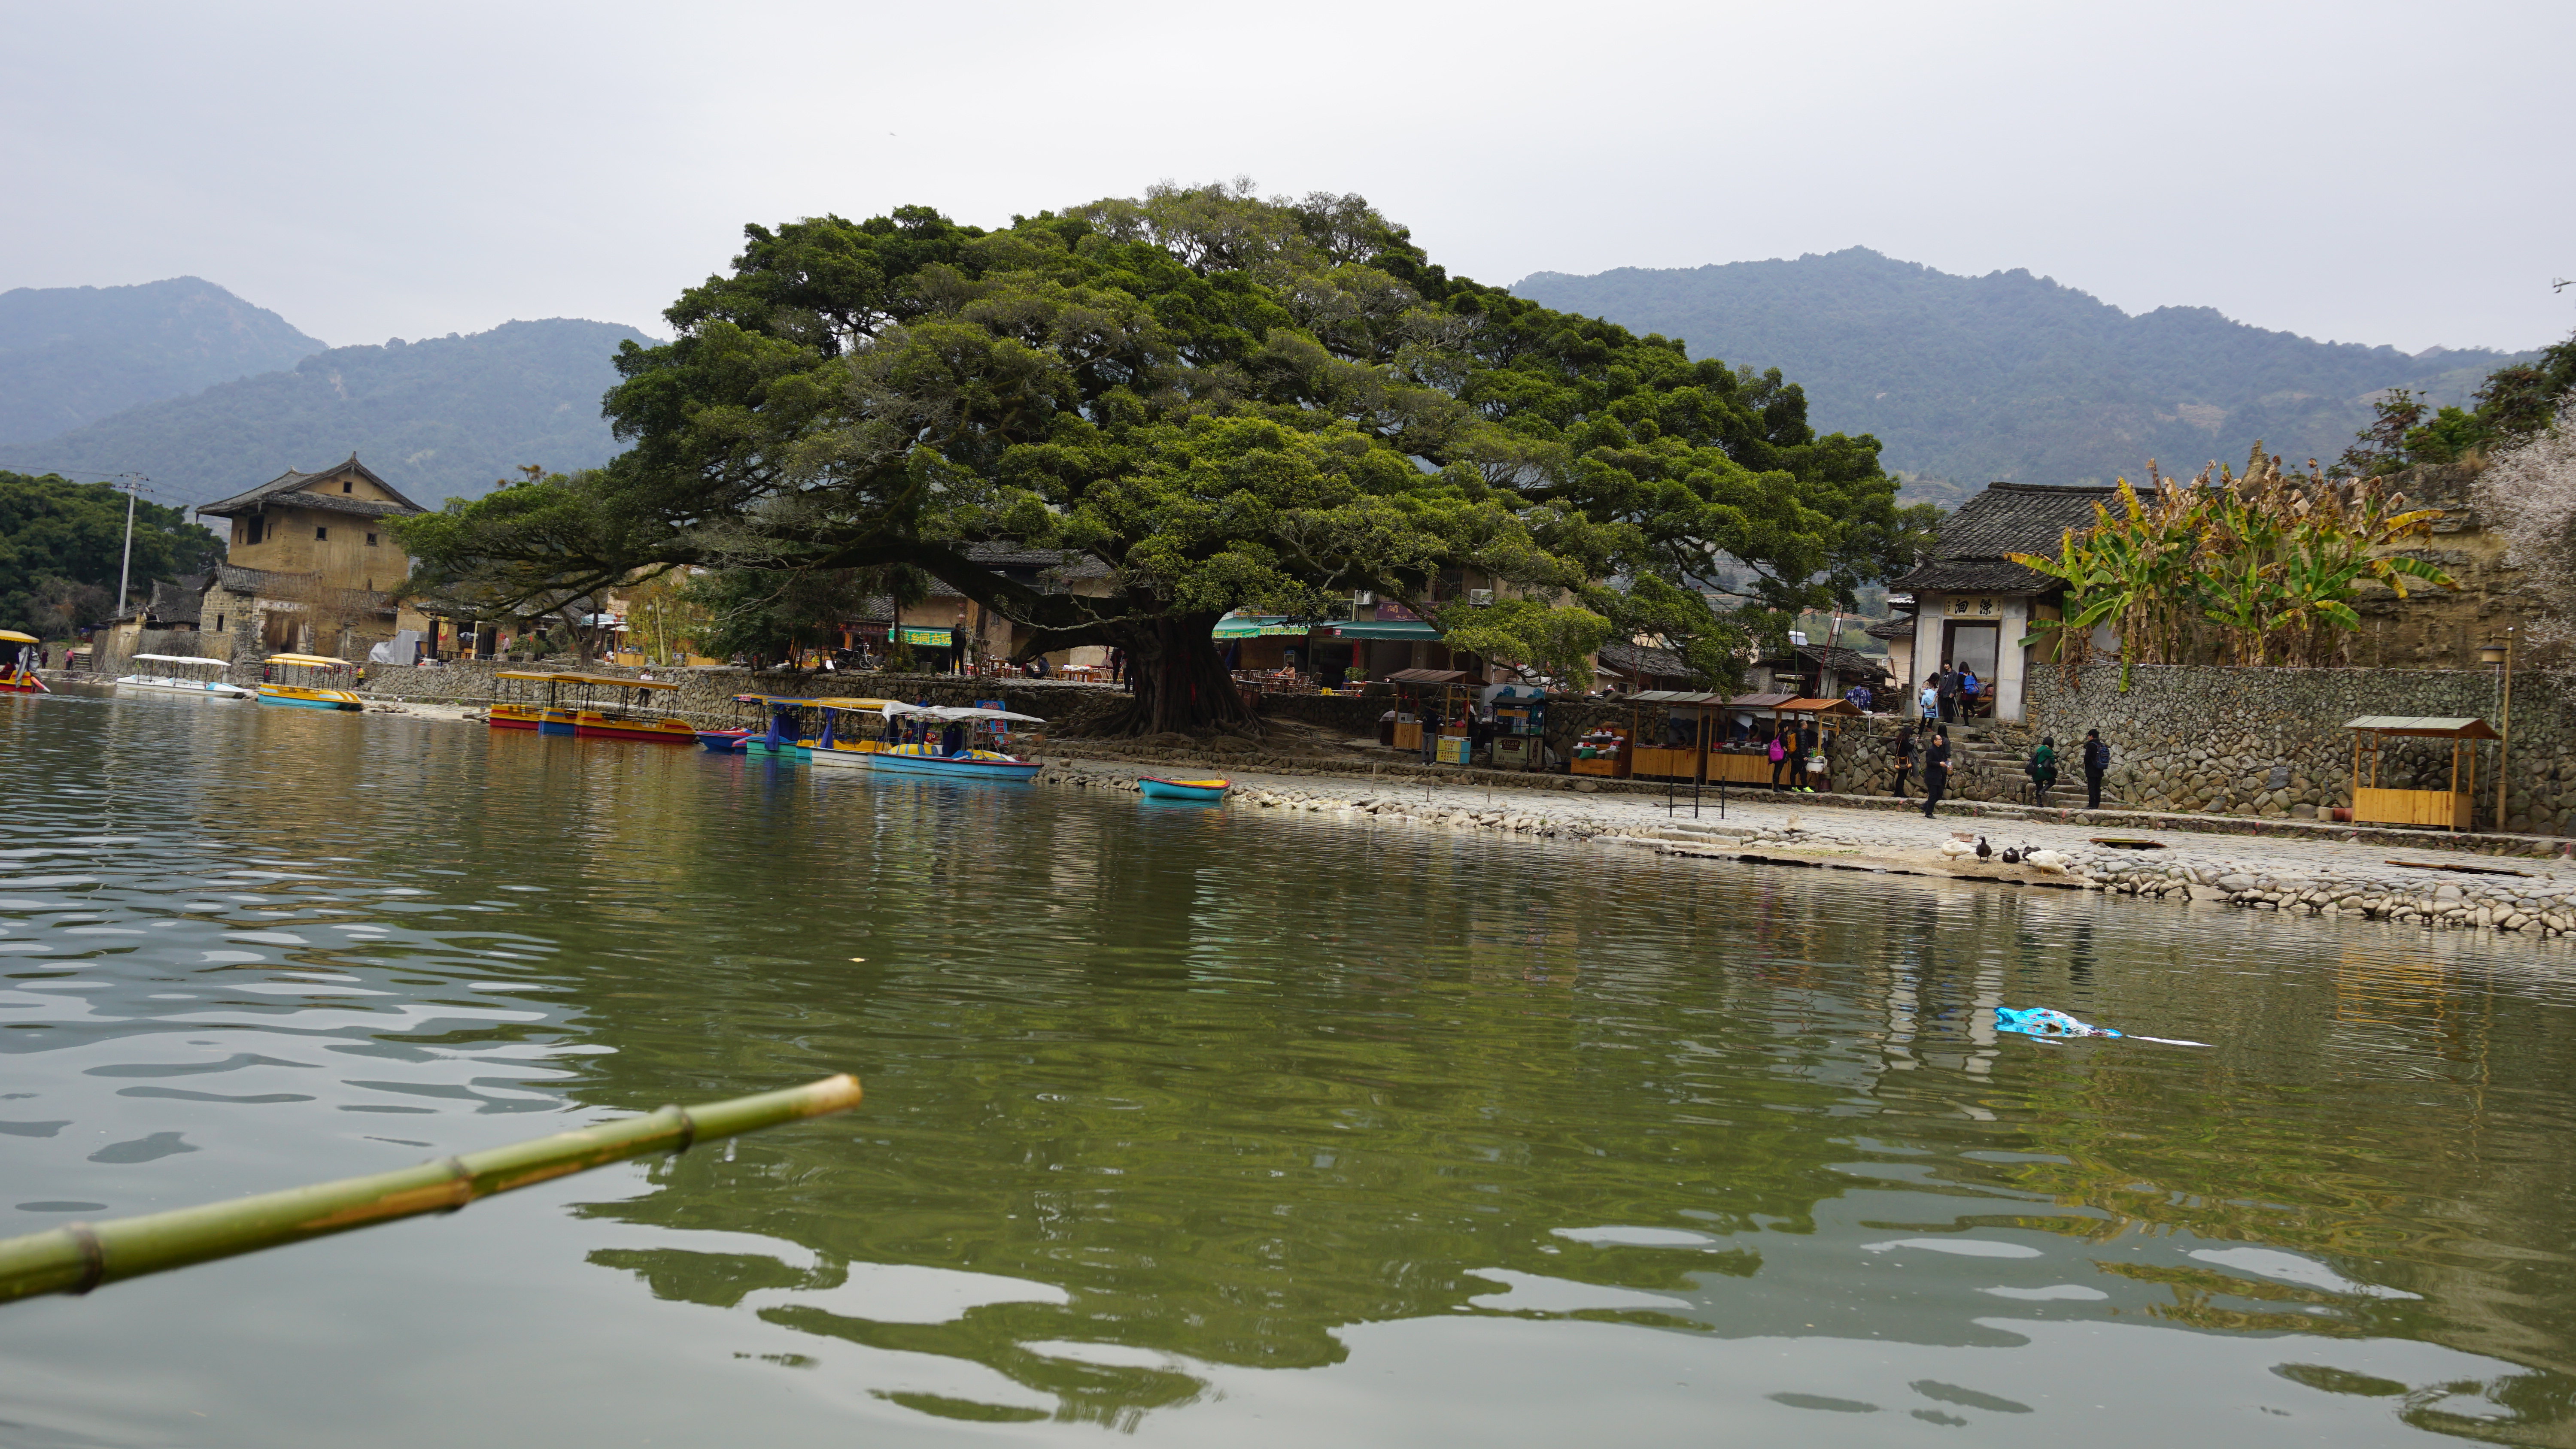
125, 565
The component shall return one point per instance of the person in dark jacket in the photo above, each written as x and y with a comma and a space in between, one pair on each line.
1948, 684
1904, 758
1936, 770
2043, 770
2097, 759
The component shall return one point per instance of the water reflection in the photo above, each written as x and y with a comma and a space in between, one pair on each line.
1164, 1103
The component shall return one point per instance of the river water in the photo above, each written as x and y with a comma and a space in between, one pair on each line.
1216, 1125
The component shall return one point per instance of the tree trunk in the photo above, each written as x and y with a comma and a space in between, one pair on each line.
1178, 678
580, 645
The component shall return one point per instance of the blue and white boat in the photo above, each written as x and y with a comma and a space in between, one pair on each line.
936, 760
172, 678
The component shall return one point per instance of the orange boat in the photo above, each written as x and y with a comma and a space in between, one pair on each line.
520, 714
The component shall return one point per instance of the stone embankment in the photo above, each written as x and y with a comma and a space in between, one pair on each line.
2319, 877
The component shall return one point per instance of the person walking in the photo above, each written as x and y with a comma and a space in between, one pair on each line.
2043, 770
1779, 751
1936, 770
1904, 758
1948, 680
2097, 761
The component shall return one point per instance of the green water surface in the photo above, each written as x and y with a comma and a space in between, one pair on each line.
1217, 1125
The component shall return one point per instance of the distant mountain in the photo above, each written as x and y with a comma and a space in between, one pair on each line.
2011, 376
439, 418
72, 355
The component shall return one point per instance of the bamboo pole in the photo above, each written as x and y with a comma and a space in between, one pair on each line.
80, 1257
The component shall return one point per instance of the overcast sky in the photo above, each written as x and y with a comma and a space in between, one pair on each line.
2354, 171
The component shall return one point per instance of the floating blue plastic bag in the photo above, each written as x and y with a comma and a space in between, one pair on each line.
2041, 1021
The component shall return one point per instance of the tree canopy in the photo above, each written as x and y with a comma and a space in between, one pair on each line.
1226, 401
2517, 401
61, 543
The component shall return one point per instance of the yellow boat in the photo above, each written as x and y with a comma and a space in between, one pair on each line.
524, 714
18, 674
830, 747
304, 692
593, 720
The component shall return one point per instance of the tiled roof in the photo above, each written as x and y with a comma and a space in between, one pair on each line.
1640, 659
1900, 627
179, 600
292, 482
286, 587
2007, 518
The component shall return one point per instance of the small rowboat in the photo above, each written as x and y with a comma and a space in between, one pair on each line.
1159, 789
723, 742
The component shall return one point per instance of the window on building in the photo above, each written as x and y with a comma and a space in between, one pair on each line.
371, 540
251, 528
320, 533
219, 623
348, 487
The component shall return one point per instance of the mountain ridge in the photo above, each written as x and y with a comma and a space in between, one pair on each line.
2011, 375
72, 355
438, 418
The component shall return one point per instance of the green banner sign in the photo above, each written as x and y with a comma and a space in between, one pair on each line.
936, 638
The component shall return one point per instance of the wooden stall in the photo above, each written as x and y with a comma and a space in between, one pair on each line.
1682, 753
2449, 808
1438, 699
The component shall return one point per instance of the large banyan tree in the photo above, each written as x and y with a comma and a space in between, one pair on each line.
1226, 402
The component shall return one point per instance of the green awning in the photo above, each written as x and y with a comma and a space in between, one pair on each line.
936, 638
1386, 629
1259, 626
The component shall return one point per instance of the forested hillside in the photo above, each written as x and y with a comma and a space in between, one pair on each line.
61, 544
438, 418
72, 355
2011, 376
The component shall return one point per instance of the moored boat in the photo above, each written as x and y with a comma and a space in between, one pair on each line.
168, 680
18, 675
524, 713
303, 683
1155, 788
612, 719
783, 737
958, 759
723, 742
839, 742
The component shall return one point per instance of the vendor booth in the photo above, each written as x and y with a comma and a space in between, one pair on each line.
2451, 807
1748, 723
1519, 715
1693, 724
1439, 700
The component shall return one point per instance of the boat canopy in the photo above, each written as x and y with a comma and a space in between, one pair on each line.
968, 713
887, 706
504, 674
784, 701
310, 661
12, 636
181, 659
610, 681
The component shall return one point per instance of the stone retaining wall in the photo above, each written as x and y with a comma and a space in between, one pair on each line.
2271, 743
705, 696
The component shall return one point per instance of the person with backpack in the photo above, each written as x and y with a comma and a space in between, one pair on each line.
2097, 760
2043, 769
1779, 754
1936, 770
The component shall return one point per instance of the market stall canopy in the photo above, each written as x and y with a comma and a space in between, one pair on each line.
1820, 706
1678, 697
1259, 626
1428, 676
1382, 629
1759, 701
12, 636
2443, 727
